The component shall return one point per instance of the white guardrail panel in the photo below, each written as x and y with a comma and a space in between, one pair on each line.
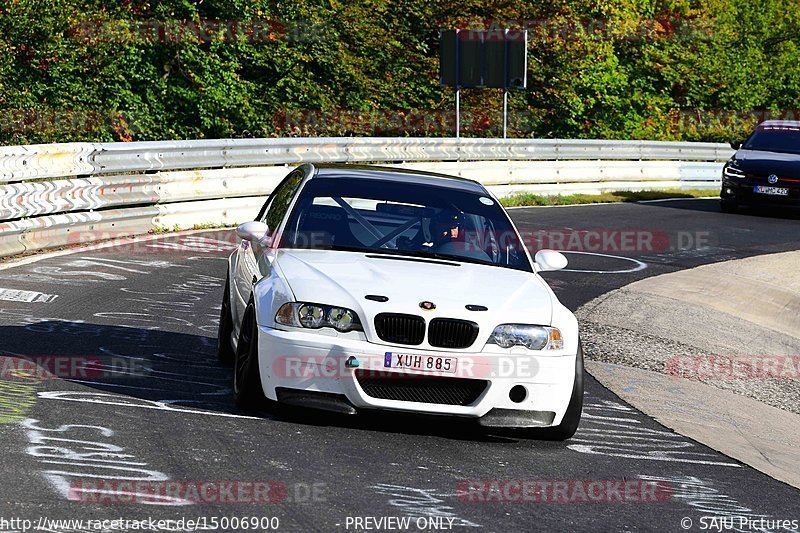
171, 155
44, 161
59, 194
67, 229
36, 198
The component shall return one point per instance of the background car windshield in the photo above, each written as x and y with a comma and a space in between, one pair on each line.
775, 140
383, 216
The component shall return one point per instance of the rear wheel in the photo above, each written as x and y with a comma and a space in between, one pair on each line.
247, 390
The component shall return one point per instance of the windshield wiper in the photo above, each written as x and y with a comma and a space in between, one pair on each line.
414, 259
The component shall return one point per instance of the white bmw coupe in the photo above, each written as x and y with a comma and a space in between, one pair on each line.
368, 288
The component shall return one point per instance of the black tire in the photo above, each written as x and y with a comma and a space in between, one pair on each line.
727, 206
225, 352
247, 390
569, 425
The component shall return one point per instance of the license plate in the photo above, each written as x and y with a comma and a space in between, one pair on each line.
423, 363
778, 191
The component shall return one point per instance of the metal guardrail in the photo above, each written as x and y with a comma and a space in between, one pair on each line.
125, 157
53, 195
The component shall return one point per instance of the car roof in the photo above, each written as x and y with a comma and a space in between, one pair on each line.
779, 124
403, 175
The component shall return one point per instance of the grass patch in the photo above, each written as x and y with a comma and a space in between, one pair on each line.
158, 230
527, 199
212, 225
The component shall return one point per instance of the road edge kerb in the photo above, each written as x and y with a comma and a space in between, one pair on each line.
744, 428
658, 200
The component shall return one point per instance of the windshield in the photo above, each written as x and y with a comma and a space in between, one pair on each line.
400, 218
775, 139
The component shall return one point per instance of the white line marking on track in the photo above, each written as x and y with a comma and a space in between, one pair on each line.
112, 399
639, 264
15, 295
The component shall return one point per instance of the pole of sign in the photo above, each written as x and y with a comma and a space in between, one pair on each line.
458, 87
505, 111
505, 82
458, 112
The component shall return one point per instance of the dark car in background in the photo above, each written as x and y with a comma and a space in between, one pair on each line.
765, 170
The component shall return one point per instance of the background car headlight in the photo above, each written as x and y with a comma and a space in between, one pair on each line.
315, 316
531, 337
731, 170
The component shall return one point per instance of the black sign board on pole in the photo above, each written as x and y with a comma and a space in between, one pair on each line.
483, 58
448, 61
516, 59
494, 53
470, 58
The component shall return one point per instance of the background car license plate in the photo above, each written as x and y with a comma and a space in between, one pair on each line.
424, 363
779, 191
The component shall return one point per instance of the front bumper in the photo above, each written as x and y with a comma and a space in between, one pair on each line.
314, 362
742, 192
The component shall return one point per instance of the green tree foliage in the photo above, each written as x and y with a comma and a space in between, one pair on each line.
74, 70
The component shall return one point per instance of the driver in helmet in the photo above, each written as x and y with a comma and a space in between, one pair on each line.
446, 227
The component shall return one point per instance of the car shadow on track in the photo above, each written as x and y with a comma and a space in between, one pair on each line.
711, 205
153, 365
386, 422
179, 370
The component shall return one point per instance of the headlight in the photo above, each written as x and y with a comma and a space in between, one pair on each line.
341, 318
315, 316
730, 170
311, 316
531, 337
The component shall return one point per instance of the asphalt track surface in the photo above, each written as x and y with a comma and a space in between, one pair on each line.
157, 405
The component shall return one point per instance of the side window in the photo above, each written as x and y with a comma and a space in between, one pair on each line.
280, 200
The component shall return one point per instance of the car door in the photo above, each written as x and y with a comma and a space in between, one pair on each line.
250, 265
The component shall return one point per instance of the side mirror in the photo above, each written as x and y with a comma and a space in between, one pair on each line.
549, 260
736, 144
253, 231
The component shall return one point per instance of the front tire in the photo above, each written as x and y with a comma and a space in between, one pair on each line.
569, 424
248, 392
225, 352
726, 206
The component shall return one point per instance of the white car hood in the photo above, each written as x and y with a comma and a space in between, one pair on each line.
345, 278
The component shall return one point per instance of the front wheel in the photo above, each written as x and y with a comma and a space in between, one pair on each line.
247, 389
569, 425
225, 353
726, 206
